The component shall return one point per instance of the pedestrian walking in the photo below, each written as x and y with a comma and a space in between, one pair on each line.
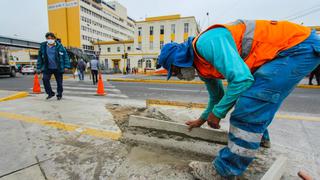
95, 67
262, 61
88, 70
53, 59
315, 73
81, 66
128, 70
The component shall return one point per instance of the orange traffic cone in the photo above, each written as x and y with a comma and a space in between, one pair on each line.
36, 84
100, 89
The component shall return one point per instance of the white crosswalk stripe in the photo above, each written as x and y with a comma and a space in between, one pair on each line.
74, 88
85, 88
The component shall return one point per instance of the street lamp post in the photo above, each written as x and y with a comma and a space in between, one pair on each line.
124, 55
99, 50
142, 60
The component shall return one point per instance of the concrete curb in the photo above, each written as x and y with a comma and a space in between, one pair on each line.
15, 96
159, 81
158, 102
175, 103
201, 147
212, 135
277, 169
155, 81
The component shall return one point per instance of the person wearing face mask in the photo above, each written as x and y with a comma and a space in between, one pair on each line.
262, 61
53, 59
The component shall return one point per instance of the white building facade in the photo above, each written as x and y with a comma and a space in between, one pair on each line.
103, 21
149, 37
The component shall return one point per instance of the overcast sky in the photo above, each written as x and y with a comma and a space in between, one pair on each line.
28, 19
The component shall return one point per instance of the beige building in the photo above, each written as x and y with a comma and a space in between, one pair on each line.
149, 37
80, 23
23, 55
317, 28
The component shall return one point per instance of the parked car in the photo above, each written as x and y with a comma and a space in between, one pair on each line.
28, 69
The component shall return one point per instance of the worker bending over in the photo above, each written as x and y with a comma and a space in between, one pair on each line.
262, 61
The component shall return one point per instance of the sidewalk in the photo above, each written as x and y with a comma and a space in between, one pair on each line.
50, 139
76, 138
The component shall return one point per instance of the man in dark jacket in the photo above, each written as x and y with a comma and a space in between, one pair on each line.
81, 66
52, 59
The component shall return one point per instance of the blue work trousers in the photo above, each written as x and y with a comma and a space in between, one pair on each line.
256, 107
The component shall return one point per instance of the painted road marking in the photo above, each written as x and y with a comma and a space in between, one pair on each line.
162, 81
115, 135
66, 83
15, 96
73, 93
70, 93
83, 88
303, 118
178, 90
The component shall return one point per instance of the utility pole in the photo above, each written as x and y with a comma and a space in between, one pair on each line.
124, 55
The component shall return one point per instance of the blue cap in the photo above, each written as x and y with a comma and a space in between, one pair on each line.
180, 55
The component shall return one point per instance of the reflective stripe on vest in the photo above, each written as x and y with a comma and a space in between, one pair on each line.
247, 39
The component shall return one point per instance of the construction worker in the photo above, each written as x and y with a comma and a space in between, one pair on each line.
262, 61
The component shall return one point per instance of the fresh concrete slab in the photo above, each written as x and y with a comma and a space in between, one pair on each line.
62, 154
211, 135
85, 112
277, 169
31, 173
15, 152
197, 147
143, 163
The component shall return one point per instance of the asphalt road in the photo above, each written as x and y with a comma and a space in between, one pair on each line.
299, 101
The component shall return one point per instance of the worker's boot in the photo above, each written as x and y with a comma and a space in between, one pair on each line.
265, 143
205, 171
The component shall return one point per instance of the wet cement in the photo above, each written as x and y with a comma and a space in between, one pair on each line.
152, 160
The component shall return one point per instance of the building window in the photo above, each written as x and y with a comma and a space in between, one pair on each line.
162, 29
161, 44
186, 27
151, 45
151, 30
109, 49
139, 31
173, 28
140, 63
129, 48
148, 63
118, 49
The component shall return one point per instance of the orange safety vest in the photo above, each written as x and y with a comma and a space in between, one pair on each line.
257, 41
